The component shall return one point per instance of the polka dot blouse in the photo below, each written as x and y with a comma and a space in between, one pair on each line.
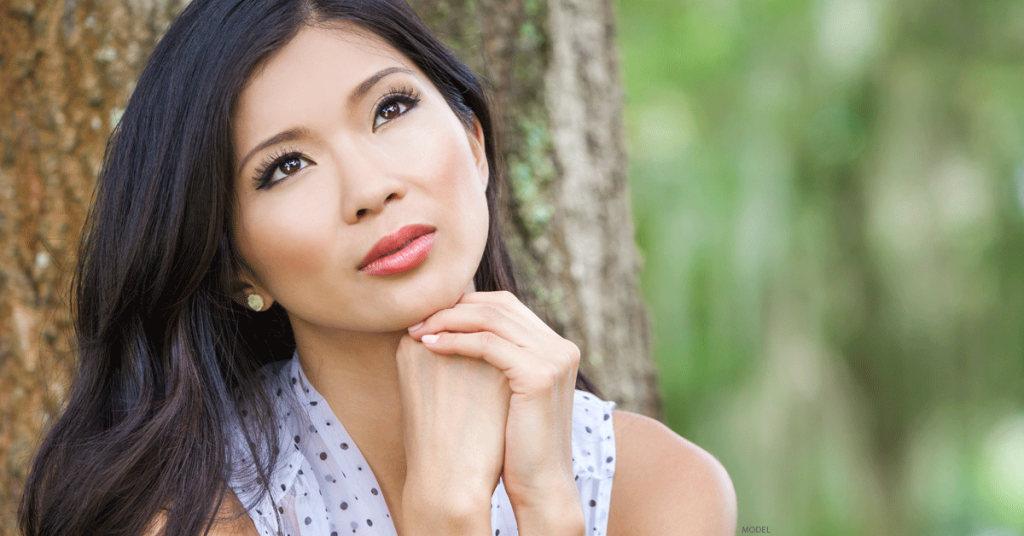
323, 486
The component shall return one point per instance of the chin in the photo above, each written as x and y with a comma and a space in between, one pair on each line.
442, 297
414, 307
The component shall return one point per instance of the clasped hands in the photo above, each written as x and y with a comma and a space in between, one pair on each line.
487, 391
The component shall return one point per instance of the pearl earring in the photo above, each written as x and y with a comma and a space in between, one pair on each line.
255, 302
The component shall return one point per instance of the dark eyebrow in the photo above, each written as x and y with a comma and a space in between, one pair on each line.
295, 133
291, 134
362, 89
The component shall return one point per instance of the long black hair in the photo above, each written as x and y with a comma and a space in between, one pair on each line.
168, 363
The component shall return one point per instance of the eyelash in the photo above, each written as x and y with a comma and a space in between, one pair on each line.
396, 95
265, 171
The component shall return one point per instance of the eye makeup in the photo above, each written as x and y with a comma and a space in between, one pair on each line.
395, 102
277, 161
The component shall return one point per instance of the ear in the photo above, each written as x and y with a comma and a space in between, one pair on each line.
479, 148
244, 294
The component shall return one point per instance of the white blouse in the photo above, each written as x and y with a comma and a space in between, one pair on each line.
323, 486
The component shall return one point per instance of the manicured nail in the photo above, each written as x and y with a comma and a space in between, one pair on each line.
430, 339
414, 328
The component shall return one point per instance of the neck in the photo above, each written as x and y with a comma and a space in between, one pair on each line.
357, 375
355, 372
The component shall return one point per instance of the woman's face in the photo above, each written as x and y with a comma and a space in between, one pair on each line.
339, 142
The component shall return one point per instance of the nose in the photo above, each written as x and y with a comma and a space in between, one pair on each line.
368, 190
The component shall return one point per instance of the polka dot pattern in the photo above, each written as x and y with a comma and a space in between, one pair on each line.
319, 485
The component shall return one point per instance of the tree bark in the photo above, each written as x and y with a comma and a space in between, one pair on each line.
554, 73
67, 68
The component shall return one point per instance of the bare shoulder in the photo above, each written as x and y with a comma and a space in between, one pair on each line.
665, 484
232, 520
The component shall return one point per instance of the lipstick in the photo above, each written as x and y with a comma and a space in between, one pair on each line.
399, 251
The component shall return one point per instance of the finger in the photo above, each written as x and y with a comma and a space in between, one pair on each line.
525, 370
539, 336
509, 301
469, 318
485, 345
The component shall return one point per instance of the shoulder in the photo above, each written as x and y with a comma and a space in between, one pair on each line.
665, 484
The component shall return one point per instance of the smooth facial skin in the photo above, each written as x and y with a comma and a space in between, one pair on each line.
375, 148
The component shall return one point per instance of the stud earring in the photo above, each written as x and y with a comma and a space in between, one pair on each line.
255, 302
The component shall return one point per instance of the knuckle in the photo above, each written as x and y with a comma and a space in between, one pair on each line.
563, 367
573, 352
549, 374
505, 296
488, 339
493, 312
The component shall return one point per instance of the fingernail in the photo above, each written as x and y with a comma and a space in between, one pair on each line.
430, 339
414, 328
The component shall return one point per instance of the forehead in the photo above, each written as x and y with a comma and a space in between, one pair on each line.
321, 44
320, 65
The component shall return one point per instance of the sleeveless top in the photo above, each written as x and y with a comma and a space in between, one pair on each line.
323, 486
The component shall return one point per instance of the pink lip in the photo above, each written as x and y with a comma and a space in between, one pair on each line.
399, 251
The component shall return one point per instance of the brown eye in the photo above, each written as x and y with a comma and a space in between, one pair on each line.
389, 111
291, 165
283, 167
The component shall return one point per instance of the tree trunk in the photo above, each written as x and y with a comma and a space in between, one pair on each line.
67, 68
553, 70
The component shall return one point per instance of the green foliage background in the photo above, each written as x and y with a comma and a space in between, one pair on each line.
829, 197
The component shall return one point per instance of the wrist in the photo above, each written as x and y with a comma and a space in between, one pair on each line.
566, 522
428, 512
555, 514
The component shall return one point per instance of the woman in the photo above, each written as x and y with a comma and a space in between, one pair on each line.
316, 179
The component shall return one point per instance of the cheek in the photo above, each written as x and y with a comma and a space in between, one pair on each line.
461, 192
468, 214
446, 160
285, 240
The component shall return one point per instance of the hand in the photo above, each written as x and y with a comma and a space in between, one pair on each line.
454, 410
541, 370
